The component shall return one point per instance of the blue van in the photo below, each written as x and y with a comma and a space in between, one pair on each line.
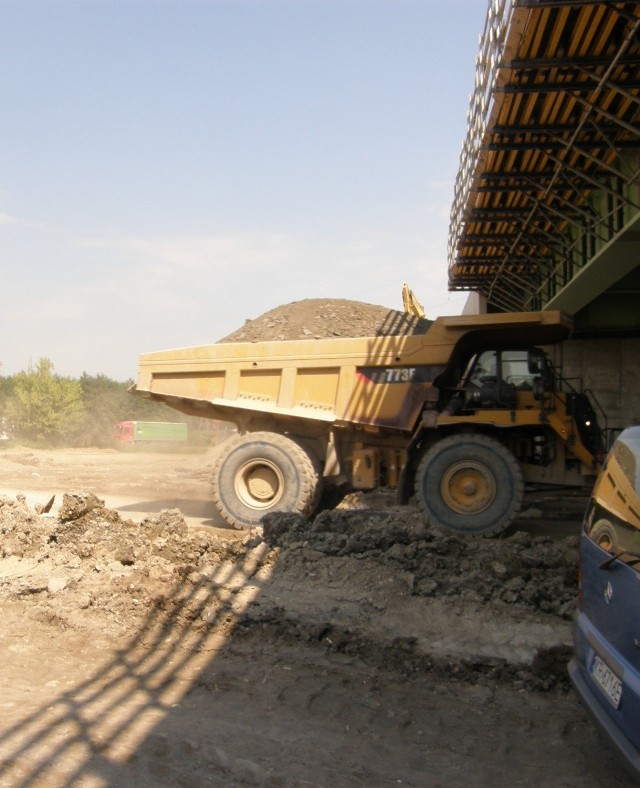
605, 669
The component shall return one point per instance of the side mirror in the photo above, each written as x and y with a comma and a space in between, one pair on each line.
536, 362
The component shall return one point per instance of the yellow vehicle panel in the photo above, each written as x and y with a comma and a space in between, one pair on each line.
380, 381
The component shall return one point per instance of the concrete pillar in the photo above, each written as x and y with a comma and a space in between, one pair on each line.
610, 368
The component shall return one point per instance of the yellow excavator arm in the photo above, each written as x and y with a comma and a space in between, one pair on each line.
411, 304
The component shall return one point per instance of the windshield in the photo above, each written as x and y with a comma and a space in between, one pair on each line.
613, 517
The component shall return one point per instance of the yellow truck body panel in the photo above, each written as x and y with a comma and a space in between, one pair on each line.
378, 381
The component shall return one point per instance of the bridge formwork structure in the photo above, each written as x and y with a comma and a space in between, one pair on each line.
546, 211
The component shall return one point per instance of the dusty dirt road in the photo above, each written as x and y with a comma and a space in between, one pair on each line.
133, 483
359, 649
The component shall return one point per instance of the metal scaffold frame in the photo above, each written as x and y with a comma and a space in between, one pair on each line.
549, 171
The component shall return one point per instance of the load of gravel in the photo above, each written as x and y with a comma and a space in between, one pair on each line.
321, 318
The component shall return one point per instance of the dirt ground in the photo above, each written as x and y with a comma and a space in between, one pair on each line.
360, 648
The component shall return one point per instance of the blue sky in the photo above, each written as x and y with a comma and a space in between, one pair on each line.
172, 168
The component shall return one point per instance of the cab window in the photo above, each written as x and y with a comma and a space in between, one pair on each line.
510, 366
485, 368
515, 368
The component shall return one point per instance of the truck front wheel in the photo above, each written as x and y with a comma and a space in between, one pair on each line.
262, 472
470, 484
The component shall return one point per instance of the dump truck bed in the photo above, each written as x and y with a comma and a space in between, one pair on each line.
379, 381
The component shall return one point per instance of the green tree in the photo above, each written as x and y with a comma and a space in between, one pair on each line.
6, 390
105, 403
44, 406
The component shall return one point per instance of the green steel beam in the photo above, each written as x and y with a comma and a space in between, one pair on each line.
615, 260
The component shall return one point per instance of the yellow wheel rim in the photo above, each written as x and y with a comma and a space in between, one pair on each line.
259, 484
468, 487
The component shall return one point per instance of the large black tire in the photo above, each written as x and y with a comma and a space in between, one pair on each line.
470, 484
263, 472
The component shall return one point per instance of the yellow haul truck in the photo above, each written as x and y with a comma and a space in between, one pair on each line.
460, 418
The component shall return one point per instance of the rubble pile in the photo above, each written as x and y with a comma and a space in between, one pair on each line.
378, 583
88, 562
537, 573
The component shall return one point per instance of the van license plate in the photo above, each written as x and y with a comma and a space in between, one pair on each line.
607, 680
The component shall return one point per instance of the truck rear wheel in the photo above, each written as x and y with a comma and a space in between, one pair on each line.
470, 484
263, 472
